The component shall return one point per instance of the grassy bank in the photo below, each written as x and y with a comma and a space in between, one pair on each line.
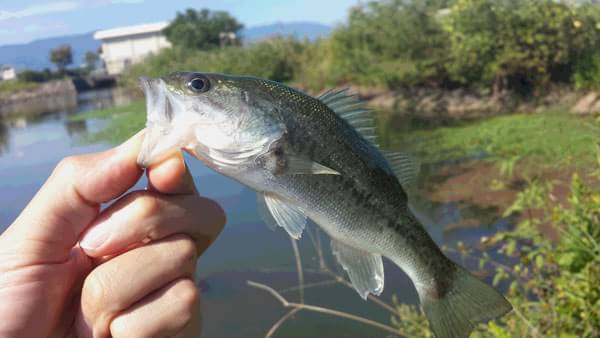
14, 86
552, 137
124, 121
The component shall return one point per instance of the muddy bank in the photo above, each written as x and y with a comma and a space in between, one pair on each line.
480, 183
59, 95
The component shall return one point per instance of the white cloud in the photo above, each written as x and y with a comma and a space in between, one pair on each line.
39, 9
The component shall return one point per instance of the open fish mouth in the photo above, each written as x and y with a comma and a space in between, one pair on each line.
160, 140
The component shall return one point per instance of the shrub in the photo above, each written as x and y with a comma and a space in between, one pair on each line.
586, 74
517, 44
276, 59
391, 42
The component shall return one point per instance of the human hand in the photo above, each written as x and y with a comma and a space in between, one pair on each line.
132, 273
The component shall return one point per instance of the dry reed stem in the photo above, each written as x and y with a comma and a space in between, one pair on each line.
298, 268
319, 309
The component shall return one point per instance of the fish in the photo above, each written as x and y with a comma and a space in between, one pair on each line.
316, 158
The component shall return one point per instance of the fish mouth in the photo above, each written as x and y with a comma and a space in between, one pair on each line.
161, 140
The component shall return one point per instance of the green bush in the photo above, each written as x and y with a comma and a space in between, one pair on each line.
518, 44
586, 74
390, 42
276, 59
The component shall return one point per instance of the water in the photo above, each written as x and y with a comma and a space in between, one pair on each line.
246, 250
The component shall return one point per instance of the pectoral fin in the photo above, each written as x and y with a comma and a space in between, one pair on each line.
296, 165
364, 269
280, 163
264, 212
284, 214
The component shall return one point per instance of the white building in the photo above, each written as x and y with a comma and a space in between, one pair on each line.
123, 46
7, 73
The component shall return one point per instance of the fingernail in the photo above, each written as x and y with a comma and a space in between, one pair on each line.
97, 235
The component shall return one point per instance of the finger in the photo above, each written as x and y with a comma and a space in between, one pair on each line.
144, 216
70, 198
164, 313
171, 176
126, 279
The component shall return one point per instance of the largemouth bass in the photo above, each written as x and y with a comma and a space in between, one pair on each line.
315, 158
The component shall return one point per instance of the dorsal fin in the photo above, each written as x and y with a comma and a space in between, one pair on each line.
405, 167
352, 109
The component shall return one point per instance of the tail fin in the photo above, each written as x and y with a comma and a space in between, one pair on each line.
467, 302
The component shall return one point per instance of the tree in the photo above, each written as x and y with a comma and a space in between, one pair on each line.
203, 29
391, 40
91, 60
61, 56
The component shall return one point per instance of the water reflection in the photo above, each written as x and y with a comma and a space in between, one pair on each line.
4, 137
77, 128
104, 98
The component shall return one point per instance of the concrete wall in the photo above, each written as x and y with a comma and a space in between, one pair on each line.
59, 95
120, 52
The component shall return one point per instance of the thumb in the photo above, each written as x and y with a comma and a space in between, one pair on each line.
70, 199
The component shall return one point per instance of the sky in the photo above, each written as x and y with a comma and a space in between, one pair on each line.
22, 21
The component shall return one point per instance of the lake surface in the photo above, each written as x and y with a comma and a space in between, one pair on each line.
246, 250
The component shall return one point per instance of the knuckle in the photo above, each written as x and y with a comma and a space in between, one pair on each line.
67, 167
186, 294
120, 327
185, 250
146, 204
217, 213
123, 327
94, 292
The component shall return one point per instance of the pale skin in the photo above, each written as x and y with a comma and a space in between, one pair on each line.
68, 269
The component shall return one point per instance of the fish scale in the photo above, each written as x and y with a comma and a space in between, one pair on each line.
314, 158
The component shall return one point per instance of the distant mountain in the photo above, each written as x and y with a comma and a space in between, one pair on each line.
35, 55
300, 30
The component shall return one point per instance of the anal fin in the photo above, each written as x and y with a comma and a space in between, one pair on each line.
364, 269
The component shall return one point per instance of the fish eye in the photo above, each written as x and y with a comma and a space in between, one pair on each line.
199, 85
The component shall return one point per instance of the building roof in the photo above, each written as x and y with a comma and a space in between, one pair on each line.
130, 30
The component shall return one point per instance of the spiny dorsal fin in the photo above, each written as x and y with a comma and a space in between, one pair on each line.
405, 167
364, 269
352, 109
